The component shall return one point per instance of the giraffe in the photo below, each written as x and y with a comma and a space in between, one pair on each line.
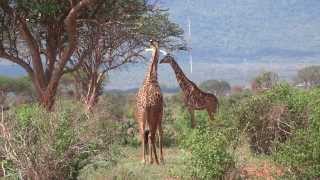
149, 109
194, 98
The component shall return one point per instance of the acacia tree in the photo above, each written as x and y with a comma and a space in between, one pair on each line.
220, 88
41, 36
116, 44
265, 80
21, 87
309, 76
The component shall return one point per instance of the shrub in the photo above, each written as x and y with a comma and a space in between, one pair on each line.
209, 156
272, 116
301, 153
38, 144
128, 132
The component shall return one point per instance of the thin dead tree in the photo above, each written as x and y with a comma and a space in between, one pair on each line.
115, 45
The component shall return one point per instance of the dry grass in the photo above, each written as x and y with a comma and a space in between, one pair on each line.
130, 167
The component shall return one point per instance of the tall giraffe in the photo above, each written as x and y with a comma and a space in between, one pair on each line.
194, 98
149, 108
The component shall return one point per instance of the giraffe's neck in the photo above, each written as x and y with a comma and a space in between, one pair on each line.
183, 81
153, 68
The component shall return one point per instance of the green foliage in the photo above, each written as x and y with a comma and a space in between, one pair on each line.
219, 88
236, 98
181, 124
301, 153
209, 156
129, 133
157, 25
16, 85
39, 10
64, 133
272, 116
54, 145
24, 115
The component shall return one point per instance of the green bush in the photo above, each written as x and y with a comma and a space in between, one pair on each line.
209, 156
53, 145
272, 116
301, 153
128, 132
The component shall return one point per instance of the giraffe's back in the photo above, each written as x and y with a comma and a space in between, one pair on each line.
198, 99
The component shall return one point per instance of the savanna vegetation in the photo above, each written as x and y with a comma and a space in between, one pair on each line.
269, 134
68, 127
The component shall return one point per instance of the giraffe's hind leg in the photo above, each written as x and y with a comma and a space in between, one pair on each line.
212, 109
160, 134
152, 145
193, 123
211, 114
153, 124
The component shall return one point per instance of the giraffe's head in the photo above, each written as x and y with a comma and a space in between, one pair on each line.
167, 59
154, 44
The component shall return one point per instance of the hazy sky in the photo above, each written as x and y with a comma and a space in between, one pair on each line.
250, 28
234, 40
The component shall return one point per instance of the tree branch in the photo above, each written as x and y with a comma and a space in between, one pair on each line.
71, 28
34, 50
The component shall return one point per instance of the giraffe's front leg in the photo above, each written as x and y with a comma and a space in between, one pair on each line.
143, 137
143, 155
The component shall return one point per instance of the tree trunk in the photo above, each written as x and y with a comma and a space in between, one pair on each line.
47, 100
91, 99
93, 91
46, 96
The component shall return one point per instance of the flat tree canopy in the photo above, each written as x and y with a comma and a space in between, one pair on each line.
309, 76
44, 37
220, 88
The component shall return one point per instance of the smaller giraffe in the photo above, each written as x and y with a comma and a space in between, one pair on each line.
194, 98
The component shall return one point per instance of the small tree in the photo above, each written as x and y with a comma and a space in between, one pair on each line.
265, 80
220, 88
309, 76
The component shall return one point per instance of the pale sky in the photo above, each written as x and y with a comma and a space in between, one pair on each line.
234, 40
